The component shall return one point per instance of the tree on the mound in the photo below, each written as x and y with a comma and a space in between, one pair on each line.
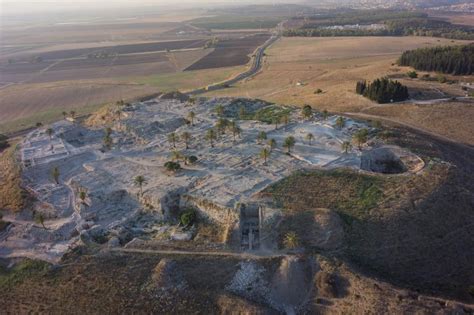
176, 156
325, 114
219, 110
49, 132
171, 166
264, 154
340, 122
346, 146
286, 119
307, 111
64, 115
291, 240
83, 196
211, 136
360, 137
262, 136
221, 125
139, 181
272, 144
172, 138
276, 120
191, 117
235, 129
310, 137
289, 143
55, 174
108, 138
39, 218
186, 136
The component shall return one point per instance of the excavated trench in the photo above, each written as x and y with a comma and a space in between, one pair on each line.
383, 160
249, 227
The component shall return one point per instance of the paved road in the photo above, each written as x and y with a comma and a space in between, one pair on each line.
256, 66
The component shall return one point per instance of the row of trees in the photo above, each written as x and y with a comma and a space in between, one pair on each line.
383, 90
393, 24
457, 60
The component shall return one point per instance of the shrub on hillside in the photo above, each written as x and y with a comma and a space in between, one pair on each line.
172, 166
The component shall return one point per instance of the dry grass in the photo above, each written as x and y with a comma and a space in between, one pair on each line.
334, 65
450, 119
12, 196
331, 64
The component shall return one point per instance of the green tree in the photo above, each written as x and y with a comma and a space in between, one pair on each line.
219, 110
172, 139
309, 137
412, 74
289, 143
83, 196
221, 125
139, 181
276, 120
242, 113
39, 218
186, 136
171, 166
55, 173
265, 154
191, 117
272, 144
340, 122
235, 129
64, 115
291, 240
307, 112
286, 119
360, 137
211, 136
108, 139
50, 132
346, 146
325, 114
262, 136
176, 155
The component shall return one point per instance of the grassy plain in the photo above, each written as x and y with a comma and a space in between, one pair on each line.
46, 102
294, 68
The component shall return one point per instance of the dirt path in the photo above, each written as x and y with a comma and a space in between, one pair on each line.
243, 255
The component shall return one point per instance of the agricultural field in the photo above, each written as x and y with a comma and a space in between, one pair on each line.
232, 52
41, 77
46, 101
295, 68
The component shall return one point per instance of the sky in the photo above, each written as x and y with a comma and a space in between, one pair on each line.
34, 6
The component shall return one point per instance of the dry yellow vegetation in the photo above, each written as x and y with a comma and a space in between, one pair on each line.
295, 68
12, 196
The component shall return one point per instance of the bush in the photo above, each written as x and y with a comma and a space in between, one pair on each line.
318, 91
442, 79
188, 217
412, 74
192, 159
172, 166
291, 240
